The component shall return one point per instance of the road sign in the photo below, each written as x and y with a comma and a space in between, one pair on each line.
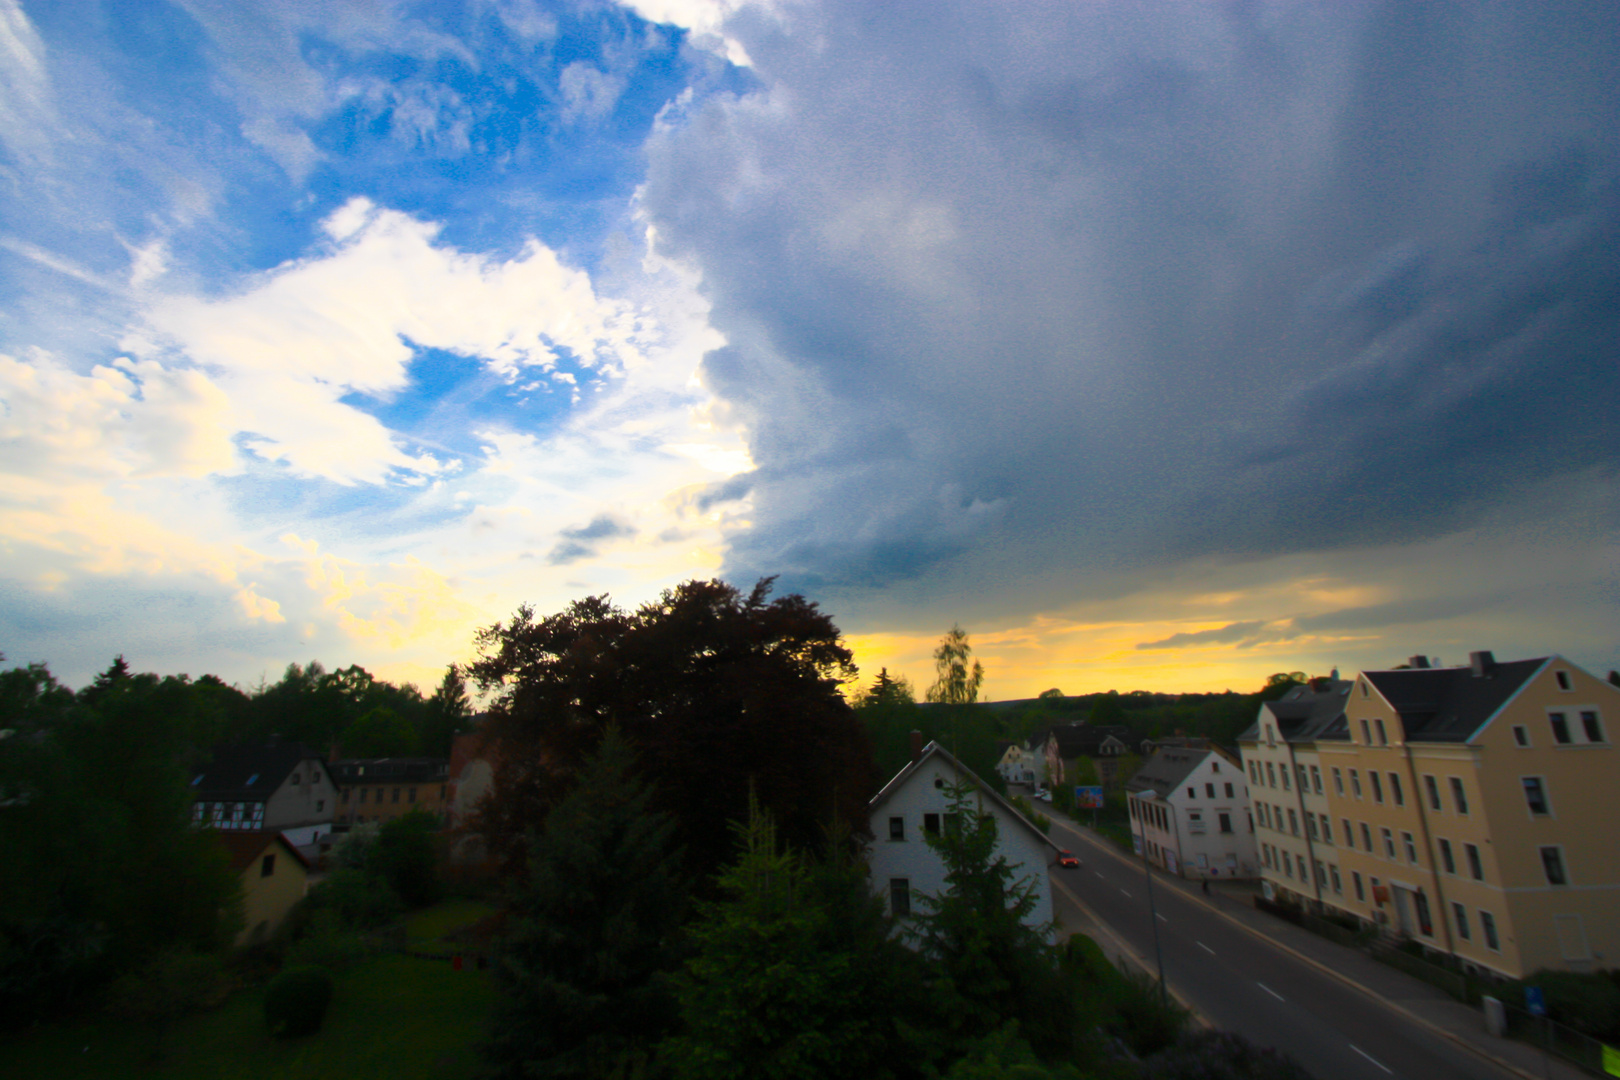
1088, 798
1535, 1001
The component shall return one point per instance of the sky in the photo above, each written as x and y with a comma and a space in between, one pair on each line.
1160, 346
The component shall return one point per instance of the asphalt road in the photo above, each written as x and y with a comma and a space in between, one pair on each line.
1242, 983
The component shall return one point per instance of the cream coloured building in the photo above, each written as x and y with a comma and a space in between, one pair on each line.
1473, 808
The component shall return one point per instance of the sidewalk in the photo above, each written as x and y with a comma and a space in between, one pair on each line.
1428, 1005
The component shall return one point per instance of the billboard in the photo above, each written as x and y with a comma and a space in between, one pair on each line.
1088, 798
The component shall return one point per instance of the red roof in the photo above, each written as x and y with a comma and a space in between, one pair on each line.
246, 847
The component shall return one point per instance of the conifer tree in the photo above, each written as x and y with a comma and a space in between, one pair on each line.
584, 968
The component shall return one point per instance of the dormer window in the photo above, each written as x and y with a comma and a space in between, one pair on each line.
254, 779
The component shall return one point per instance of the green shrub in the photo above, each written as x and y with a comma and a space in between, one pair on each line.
1589, 1003
295, 1002
325, 943
1147, 1018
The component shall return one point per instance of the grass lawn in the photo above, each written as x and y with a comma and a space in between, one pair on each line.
392, 1017
433, 923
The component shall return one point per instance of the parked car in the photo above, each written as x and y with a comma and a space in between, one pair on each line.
1067, 860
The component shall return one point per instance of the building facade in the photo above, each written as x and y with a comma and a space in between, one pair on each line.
266, 787
916, 803
382, 789
1288, 792
1189, 814
1475, 807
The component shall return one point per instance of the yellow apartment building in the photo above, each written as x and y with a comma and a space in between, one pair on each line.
1473, 810
382, 789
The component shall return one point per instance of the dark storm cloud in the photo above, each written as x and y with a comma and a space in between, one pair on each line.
583, 541
1222, 635
1097, 288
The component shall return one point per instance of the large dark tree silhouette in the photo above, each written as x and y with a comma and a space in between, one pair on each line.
717, 690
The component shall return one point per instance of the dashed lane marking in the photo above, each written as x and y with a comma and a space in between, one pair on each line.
1206, 948
1372, 1059
1270, 991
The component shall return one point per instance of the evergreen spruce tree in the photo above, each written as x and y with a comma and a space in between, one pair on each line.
584, 968
994, 967
795, 973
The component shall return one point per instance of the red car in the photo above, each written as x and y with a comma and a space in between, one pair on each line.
1067, 860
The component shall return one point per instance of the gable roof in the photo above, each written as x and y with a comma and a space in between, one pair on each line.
249, 772
933, 749
1167, 769
1306, 713
1452, 704
244, 848
1083, 739
387, 770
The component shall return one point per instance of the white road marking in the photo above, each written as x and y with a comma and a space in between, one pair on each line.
1099, 874
1270, 991
1206, 948
1372, 1059
1127, 893
1161, 917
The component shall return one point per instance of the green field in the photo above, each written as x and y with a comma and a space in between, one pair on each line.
392, 1018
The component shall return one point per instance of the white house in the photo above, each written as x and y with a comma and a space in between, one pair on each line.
1189, 812
1021, 765
915, 803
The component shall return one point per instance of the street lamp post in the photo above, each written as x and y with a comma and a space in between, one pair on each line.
1153, 912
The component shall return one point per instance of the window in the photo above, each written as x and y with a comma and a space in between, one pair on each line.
1563, 679
1411, 848
1209, 791
1293, 822
1395, 789
1265, 854
1459, 915
1433, 790
1316, 779
1355, 880
1377, 786
1338, 782
1349, 833
1285, 780
1214, 766
320, 806
1192, 793
900, 897
1552, 862
1383, 740
1271, 736
1288, 864
1271, 775
1229, 793
1254, 774
1303, 784
1560, 728
1327, 828
1521, 735
1475, 868
1310, 825
931, 821
1355, 782
1366, 837
1363, 688
1366, 734
1535, 795
1589, 723
1321, 873
1487, 925
897, 828
1226, 822
1338, 882
1458, 796
363, 792
1446, 861
1425, 924
1389, 842
267, 868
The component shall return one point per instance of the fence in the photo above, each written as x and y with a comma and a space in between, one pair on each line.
1569, 1044
1459, 985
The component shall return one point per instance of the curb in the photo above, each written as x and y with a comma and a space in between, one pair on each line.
1428, 1025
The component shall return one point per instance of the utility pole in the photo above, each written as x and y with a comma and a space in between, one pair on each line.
1153, 915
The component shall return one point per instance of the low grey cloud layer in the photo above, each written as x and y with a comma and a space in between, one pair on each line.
1094, 288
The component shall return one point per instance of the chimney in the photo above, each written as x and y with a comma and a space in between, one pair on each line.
916, 746
1422, 661
1482, 662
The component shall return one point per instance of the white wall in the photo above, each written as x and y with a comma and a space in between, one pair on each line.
913, 859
